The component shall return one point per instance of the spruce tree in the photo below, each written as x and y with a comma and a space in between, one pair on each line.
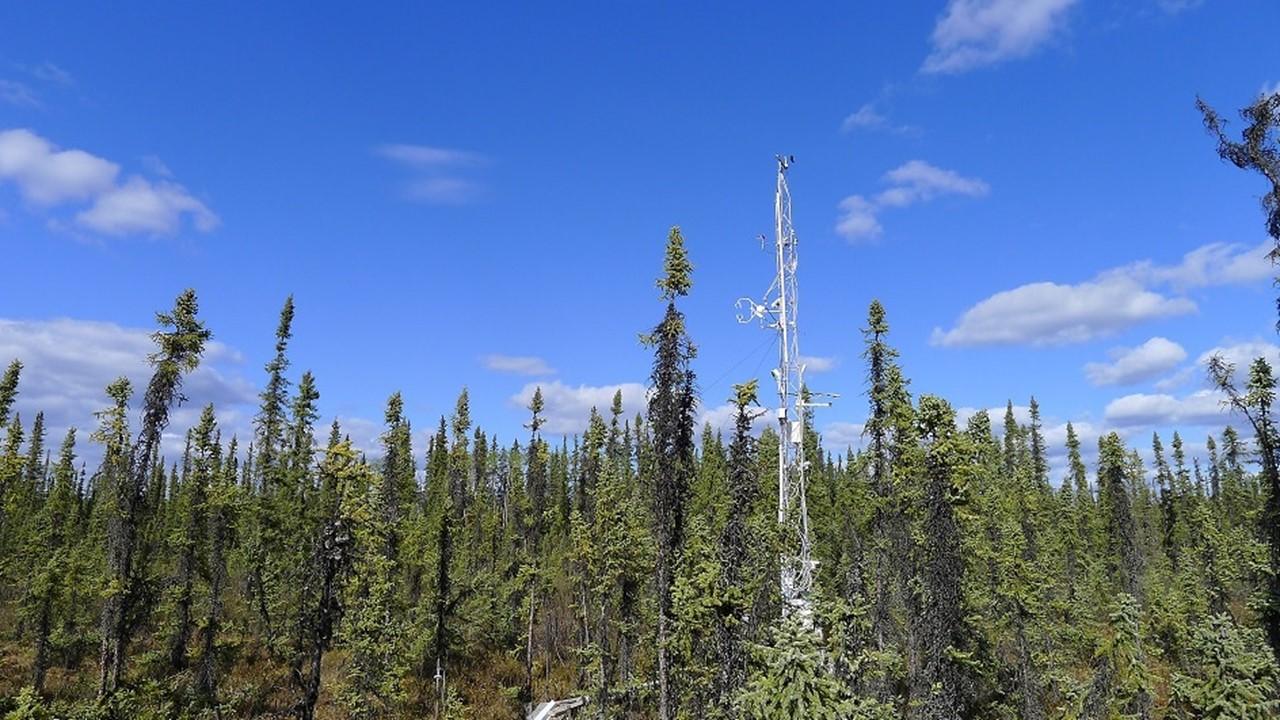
222, 501
1255, 403
944, 639
179, 345
189, 539
1123, 554
1168, 506
271, 419
50, 584
734, 585
1233, 676
33, 471
889, 437
264, 526
9, 389
1122, 685
536, 476
331, 560
791, 681
671, 407
371, 629
1258, 150
399, 487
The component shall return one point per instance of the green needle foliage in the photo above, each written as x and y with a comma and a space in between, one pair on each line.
1231, 674
791, 681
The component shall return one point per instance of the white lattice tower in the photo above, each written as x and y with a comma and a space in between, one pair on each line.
778, 312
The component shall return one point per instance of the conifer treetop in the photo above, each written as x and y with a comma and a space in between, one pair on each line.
676, 277
180, 348
535, 408
744, 394
9, 388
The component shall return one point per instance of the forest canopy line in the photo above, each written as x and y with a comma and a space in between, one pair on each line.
286, 574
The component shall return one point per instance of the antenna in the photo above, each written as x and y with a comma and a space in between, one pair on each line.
778, 312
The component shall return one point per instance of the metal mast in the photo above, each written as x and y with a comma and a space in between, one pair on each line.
778, 312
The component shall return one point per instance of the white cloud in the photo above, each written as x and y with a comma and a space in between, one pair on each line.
1241, 355
919, 181
67, 364
864, 117
1048, 313
1203, 407
1054, 431
1176, 380
141, 206
869, 117
858, 219
913, 182
566, 408
1206, 266
1130, 365
1021, 413
517, 364
818, 364
47, 176
840, 436
974, 33
365, 434
724, 416
1055, 437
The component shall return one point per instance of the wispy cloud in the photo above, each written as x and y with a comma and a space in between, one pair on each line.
50, 73
18, 94
443, 191
1173, 7
440, 173
870, 117
517, 364
1048, 313
22, 94
911, 183
427, 157
864, 117
974, 33
47, 176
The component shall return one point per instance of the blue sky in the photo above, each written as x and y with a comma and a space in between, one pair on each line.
478, 195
